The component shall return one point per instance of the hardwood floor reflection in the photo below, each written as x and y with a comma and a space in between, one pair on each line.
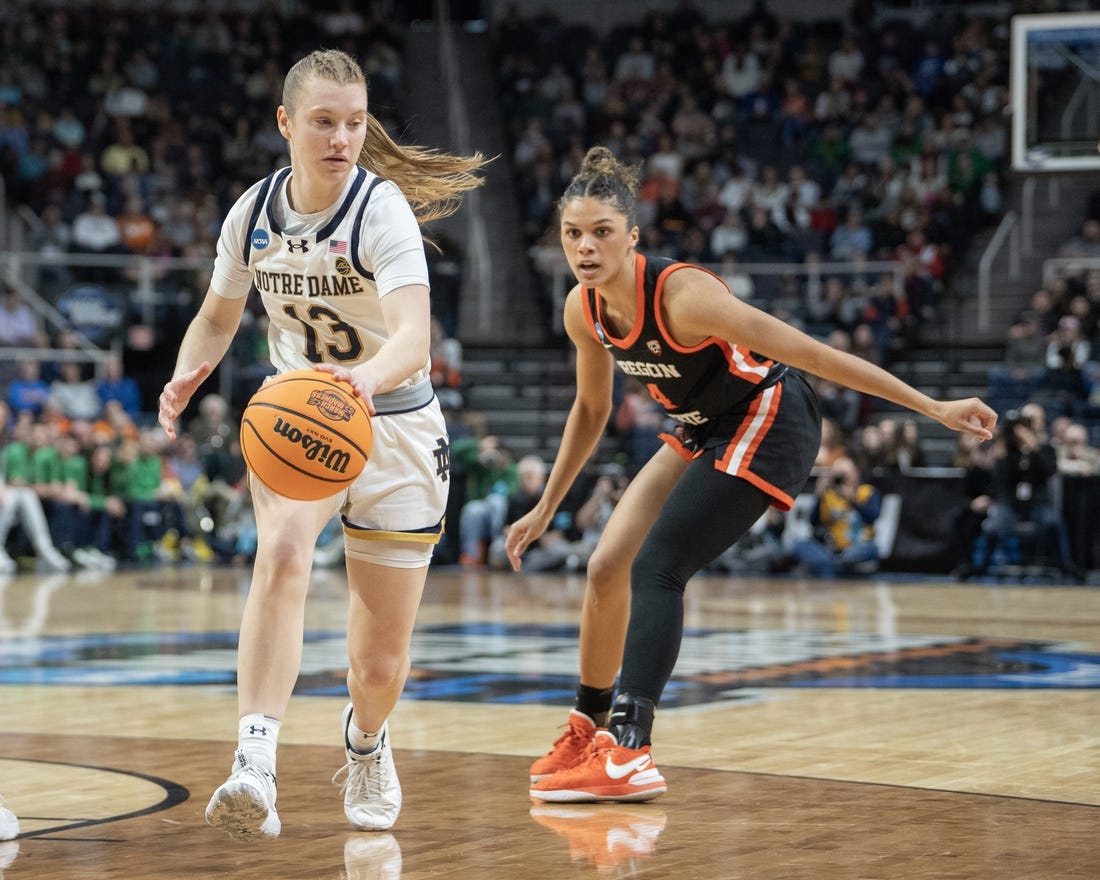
466, 817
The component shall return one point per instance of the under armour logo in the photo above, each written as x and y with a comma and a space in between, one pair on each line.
254, 730
302, 247
442, 453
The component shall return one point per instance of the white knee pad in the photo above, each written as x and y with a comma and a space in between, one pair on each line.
389, 552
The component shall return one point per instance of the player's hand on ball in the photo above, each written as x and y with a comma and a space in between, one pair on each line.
355, 379
305, 435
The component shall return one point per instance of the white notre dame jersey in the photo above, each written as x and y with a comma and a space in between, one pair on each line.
321, 276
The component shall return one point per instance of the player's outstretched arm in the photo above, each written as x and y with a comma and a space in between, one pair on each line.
204, 345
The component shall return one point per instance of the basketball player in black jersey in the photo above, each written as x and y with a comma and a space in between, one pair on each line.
750, 428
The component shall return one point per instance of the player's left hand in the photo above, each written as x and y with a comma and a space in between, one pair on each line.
523, 533
970, 415
177, 393
354, 378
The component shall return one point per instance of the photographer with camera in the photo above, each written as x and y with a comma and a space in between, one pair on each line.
1021, 491
843, 521
1068, 351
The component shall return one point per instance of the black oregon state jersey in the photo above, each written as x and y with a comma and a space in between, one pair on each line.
695, 384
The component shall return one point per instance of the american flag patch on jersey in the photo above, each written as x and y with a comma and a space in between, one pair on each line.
337, 247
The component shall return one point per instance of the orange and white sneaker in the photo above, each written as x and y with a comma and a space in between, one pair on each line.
568, 749
608, 772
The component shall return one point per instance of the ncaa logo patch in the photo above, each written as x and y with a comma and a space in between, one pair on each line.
343, 267
654, 346
260, 239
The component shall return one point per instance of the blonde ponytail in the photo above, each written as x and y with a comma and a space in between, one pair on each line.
431, 181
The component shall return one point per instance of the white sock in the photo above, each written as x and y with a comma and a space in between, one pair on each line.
362, 741
257, 736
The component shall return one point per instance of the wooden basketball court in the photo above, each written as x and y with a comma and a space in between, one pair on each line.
872, 729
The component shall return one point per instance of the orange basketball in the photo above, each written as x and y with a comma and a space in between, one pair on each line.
305, 435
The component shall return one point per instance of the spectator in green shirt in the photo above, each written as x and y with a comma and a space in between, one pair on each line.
490, 479
73, 520
142, 486
47, 476
20, 506
106, 509
17, 451
69, 505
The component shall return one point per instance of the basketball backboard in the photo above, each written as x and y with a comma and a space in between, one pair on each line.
1056, 92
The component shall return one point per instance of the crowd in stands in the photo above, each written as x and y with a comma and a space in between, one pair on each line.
128, 134
1052, 348
88, 478
133, 133
1012, 481
491, 490
761, 139
1008, 517
111, 490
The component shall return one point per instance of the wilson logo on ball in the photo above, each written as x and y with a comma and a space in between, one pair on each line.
305, 436
315, 448
332, 405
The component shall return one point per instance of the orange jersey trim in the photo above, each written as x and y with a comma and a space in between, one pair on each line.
741, 362
738, 455
639, 309
677, 446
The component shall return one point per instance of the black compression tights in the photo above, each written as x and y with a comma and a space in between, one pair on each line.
706, 513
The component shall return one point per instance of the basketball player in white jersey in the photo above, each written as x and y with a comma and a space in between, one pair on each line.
336, 254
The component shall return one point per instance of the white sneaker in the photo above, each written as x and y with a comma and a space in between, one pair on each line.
7, 564
102, 561
84, 557
372, 792
9, 825
55, 561
377, 857
244, 805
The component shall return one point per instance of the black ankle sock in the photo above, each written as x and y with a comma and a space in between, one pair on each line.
631, 721
595, 703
